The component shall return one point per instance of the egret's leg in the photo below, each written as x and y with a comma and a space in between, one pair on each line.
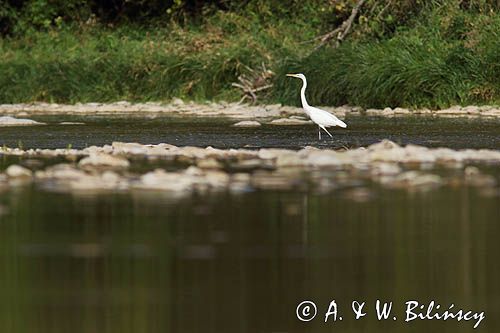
319, 133
323, 127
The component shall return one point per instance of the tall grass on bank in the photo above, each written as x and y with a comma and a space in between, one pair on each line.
199, 62
428, 66
448, 58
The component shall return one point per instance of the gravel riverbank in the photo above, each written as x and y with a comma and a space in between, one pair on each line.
229, 110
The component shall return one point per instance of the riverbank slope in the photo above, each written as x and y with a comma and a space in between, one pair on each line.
424, 56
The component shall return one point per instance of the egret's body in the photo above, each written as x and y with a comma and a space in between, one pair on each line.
322, 118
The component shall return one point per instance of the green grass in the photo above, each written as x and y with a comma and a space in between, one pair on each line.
424, 66
448, 58
140, 65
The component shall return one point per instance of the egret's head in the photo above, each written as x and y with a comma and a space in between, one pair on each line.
299, 76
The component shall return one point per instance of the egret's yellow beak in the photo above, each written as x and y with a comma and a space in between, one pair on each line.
292, 75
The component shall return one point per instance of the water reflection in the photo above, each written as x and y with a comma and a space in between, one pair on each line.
125, 263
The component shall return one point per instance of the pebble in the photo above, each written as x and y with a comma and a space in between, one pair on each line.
102, 159
247, 123
17, 171
290, 121
71, 123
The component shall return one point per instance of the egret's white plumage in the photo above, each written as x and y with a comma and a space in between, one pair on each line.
321, 117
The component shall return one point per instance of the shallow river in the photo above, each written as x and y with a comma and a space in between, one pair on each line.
242, 263
361, 131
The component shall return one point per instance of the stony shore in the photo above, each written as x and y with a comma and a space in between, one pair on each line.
229, 110
110, 168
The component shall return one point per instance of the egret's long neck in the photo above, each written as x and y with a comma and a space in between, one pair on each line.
303, 93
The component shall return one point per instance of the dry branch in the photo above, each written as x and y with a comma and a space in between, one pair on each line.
253, 82
384, 9
343, 30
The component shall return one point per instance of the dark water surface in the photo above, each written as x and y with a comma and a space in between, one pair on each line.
125, 263
361, 131
145, 262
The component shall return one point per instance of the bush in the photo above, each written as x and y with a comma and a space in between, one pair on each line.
22, 16
435, 64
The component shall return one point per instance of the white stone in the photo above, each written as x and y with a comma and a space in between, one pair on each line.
290, 121
17, 171
401, 111
11, 121
177, 102
247, 123
100, 159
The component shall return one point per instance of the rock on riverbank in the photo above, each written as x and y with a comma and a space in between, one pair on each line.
11, 121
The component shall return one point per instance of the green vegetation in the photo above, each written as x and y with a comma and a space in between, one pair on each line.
132, 63
412, 53
451, 58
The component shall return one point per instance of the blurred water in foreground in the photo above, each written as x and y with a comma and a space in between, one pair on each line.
225, 263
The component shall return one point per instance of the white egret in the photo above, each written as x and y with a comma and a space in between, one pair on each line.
321, 117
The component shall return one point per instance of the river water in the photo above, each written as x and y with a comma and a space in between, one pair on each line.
243, 262
361, 131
